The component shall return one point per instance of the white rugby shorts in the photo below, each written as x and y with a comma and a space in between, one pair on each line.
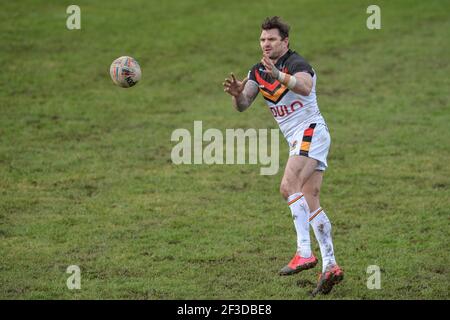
314, 142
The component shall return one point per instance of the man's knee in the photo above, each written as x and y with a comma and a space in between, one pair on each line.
285, 189
290, 186
312, 191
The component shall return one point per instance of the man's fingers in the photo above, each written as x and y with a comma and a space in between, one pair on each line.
266, 65
267, 69
266, 62
233, 83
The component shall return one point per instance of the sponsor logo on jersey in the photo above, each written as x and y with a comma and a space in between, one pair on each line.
283, 110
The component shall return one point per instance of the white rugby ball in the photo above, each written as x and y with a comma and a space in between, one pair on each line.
125, 72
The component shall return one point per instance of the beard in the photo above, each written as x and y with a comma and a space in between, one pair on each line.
274, 54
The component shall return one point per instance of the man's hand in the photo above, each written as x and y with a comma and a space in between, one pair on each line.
242, 93
234, 87
270, 67
300, 83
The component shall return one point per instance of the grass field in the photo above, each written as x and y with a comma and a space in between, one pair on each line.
86, 176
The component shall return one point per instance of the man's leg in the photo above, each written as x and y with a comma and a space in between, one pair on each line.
318, 219
331, 272
298, 170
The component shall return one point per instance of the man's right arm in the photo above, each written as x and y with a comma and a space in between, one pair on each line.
246, 97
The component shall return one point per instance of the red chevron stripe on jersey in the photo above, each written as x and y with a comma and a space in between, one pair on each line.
267, 85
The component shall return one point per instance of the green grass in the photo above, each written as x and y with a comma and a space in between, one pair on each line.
86, 177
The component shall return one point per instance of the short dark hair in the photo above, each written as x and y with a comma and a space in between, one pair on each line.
276, 23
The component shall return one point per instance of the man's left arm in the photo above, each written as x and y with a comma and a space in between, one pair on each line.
302, 85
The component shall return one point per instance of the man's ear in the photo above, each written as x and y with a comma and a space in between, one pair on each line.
286, 40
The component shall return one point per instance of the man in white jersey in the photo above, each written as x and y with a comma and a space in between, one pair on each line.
287, 83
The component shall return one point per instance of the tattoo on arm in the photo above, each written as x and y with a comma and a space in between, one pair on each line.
247, 96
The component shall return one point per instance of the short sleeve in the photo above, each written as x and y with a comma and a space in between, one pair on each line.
297, 63
251, 73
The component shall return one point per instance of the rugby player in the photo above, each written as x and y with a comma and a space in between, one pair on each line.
287, 83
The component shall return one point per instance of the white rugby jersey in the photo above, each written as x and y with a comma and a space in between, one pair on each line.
292, 111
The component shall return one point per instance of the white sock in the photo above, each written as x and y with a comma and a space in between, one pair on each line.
322, 230
300, 213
